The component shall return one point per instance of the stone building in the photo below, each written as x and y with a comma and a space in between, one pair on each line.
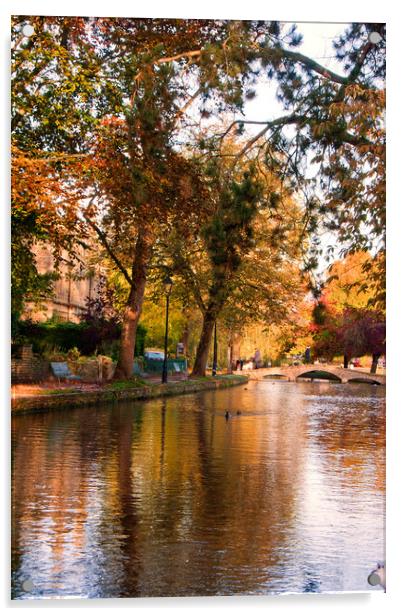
77, 283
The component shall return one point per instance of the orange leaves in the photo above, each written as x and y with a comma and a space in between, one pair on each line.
137, 182
321, 128
354, 90
41, 192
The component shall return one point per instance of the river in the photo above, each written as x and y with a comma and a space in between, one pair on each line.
169, 498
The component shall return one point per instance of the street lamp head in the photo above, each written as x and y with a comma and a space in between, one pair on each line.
168, 284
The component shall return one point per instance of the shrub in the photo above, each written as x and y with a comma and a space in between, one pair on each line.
87, 338
51, 335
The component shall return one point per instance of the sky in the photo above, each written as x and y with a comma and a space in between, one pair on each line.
317, 44
317, 39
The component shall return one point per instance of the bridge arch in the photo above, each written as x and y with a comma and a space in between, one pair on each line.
369, 381
276, 376
319, 374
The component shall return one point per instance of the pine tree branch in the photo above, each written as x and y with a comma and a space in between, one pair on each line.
300, 120
326, 72
314, 66
184, 54
279, 122
354, 73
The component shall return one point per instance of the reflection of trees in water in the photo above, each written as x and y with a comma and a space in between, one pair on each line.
47, 485
158, 499
70, 492
355, 433
219, 505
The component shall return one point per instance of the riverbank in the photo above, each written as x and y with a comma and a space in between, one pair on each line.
76, 398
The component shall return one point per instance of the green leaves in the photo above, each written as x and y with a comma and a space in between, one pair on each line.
118, 90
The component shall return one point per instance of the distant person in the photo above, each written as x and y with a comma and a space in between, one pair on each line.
307, 356
241, 364
257, 359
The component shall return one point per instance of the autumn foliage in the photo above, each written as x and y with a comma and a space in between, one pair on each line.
118, 122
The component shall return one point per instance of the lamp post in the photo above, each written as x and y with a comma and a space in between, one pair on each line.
168, 283
215, 359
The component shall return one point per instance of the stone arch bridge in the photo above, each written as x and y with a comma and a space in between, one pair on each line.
317, 371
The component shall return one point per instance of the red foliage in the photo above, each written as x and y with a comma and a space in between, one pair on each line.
353, 333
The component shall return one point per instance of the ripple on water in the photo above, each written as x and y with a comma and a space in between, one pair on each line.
167, 497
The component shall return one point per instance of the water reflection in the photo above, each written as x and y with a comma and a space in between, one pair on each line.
166, 497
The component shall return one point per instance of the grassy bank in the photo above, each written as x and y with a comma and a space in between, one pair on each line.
121, 390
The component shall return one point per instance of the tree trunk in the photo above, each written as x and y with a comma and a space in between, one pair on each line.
230, 355
374, 363
236, 348
233, 351
132, 312
186, 335
345, 361
201, 357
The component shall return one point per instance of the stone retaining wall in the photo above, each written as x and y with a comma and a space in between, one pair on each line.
73, 400
28, 368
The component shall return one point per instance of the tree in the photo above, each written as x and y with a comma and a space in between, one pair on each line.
338, 125
326, 322
352, 332
41, 210
227, 236
376, 330
269, 287
347, 284
143, 143
73, 71
352, 335
54, 85
346, 310
136, 181
136, 185
242, 264
136, 76
363, 331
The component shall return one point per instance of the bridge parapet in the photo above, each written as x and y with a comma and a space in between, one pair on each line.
292, 373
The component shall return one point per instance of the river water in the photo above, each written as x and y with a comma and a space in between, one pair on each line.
168, 497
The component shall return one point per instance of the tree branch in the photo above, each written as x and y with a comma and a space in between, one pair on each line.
326, 72
346, 137
354, 73
184, 54
183, 109
315, 66
110, 252
282, 121
191, 280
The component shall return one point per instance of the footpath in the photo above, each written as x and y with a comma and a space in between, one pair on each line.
80, 397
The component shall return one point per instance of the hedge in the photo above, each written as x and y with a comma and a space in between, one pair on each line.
88, 338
